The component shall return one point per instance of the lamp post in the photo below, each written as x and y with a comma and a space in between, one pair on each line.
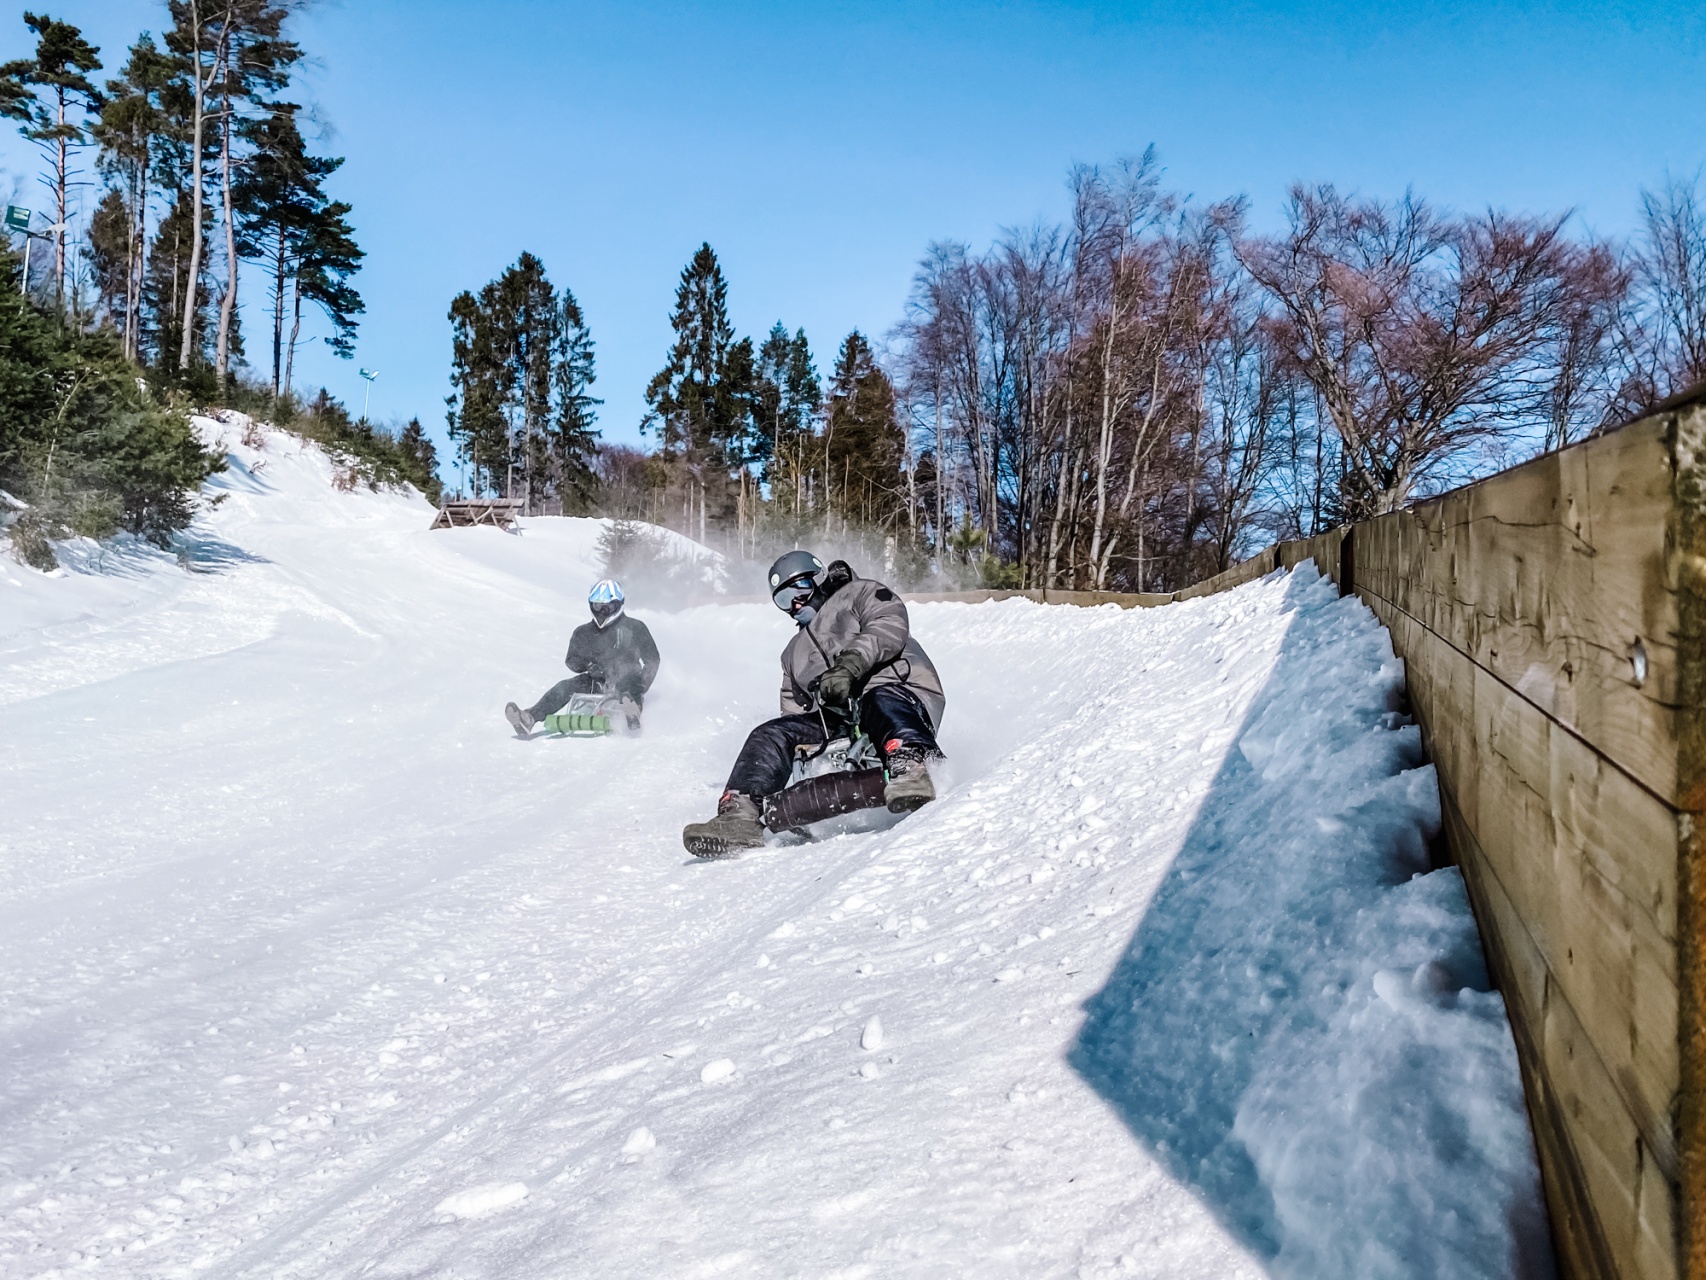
18, 219
368, 375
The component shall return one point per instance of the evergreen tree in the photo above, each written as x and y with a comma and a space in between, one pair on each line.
328, 256
697, 408
701, 400
863, 444
129, 132
231, 53
52, 95
521, 362
420, 460
81, 441
166, 292
786, 401
108, 260
575, 439
304, 239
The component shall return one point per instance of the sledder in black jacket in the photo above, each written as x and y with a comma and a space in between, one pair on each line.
611, 654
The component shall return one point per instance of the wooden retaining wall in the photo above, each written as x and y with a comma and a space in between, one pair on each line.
1539, 616
1551, 620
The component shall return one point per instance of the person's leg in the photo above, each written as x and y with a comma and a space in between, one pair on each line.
895, 719
632, 689
557, 696
761, 769
765, 761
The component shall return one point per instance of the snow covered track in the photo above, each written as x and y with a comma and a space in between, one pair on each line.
309, 969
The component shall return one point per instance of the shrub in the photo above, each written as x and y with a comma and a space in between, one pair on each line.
84, 440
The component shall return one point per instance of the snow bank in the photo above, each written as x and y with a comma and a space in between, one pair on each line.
309, 969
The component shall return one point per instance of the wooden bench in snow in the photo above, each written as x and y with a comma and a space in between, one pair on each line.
498, 512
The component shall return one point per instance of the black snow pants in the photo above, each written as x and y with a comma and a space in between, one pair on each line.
890, 713
557, 696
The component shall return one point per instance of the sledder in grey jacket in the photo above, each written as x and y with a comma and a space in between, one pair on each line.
861, 626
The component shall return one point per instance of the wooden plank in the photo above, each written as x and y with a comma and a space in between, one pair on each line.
1519, 972
1586, 855
1546, 575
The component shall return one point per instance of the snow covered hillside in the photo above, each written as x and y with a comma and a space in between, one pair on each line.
308, 968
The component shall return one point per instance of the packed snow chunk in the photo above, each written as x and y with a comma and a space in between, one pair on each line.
717, 1069
477, 1202
871, 1038
639, 1142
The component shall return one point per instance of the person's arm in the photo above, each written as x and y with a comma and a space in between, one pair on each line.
790, 699
882, 635
883, 629
580, 655
650, 659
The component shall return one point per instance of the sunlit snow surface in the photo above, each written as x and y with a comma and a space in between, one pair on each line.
308, 968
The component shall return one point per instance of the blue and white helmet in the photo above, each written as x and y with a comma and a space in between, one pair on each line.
606, 601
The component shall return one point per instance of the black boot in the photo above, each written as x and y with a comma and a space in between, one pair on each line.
523, 721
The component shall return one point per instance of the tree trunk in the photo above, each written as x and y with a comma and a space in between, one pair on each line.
135, 238
290, 351
227, 303
278, 311
198, 133
61, 180
1105, 440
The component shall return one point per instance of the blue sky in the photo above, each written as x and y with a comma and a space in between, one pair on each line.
819, 148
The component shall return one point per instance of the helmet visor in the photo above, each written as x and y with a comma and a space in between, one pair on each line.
604, 610
793, 596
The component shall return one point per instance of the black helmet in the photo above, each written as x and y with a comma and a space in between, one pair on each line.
794, 580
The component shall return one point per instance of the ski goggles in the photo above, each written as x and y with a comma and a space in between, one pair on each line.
790, 597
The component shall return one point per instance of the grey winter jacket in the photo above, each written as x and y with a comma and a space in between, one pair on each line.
867, 617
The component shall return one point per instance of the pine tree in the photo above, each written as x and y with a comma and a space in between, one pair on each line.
521, 361
863, 445
130, 131
166, 292
420, 460
786, 401
108, 257
304, 239
575, 440
52, 95
232, 52
327, 257
701, 400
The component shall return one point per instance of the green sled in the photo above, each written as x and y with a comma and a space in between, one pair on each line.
577, 724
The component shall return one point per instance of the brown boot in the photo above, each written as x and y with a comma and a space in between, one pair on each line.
909, 785
737, 826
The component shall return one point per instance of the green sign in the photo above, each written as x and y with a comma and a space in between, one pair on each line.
17, 218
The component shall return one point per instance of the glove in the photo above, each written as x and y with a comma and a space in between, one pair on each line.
835, 687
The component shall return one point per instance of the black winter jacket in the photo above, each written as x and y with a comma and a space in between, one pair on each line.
621, 656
